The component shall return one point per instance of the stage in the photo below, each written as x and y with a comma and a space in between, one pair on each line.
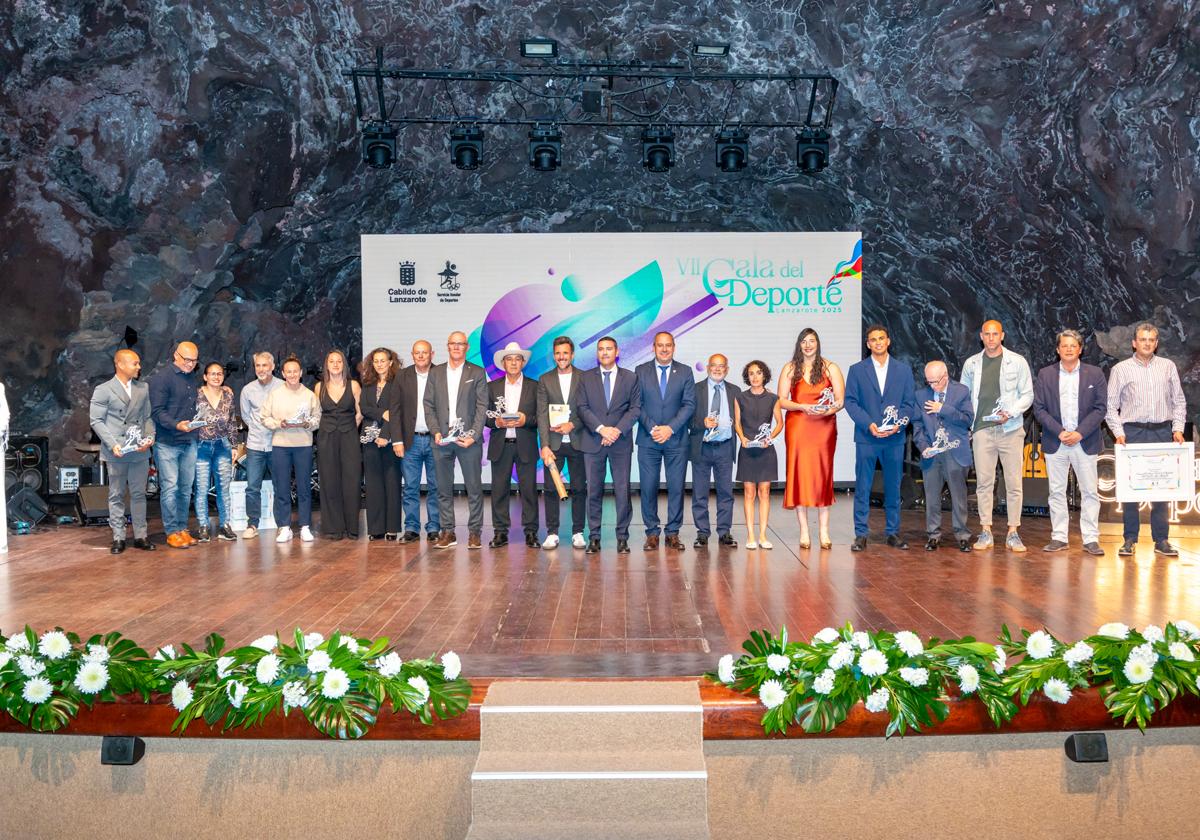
521, 612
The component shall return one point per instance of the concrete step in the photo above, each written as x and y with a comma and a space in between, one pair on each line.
633, 798
523, 830
522, 764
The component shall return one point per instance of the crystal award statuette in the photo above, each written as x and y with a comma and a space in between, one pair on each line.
941, 443
709, 434
501, 412
994, 416
825, 404
370, 433
300, 418
134, 440
455, 431
891, 420
763, 439
203, 418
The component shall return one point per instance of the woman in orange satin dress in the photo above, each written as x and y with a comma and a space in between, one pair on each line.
810, 433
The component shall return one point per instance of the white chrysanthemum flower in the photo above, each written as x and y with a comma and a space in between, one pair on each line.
1114, 630
1138, 670
1057, 690
295, 695
910, 643
915, 677
181, 695
30, 666
1181, 652
334, 684
268, 642
37, 691
267, 670
389, 666
843, 655
5, 658
92, 677
1144, 652
877, 701
1152, 633
827, 635
777, 662
312, 640
771, 693
1001, 661
1078, 653
165, 652
823, 684
319, 661
351, 644
968, 678
54, 645
873, 663
421, 685
1189, 630
861, 640
17, 643
725, 668
237, 693
223, 666
97, 653
451, 665
1039, 645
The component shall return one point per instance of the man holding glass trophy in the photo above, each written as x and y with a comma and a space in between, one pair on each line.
941, 435
712, 449
513, 440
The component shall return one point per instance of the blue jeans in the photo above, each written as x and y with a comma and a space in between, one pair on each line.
283, 460
214, 461
258, 464
176, 465
419, 456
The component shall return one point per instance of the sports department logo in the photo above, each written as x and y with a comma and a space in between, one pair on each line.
449, 285
406, 290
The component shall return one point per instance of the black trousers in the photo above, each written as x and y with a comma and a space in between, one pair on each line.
502, 490
572, 458
381, 469
339, 465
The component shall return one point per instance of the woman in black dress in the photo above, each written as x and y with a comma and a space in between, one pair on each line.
381, 402
757, 466
339, 459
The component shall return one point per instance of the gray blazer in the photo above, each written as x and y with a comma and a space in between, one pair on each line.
549, 392
472, 400
112, 412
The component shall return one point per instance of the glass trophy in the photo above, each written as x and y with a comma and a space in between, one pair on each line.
203, 417
763, 439
941, 443
134, 439
501, 412
370, 433
892, 420
825, 404
709, 434
455, 431
301, 417
995, 416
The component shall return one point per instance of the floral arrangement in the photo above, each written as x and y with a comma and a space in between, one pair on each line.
338, 684
816, 684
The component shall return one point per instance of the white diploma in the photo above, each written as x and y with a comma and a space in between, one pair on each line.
1156, 472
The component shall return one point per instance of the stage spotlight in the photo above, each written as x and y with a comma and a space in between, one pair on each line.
733, 149
545, 147
658, 148
539, 48
812, 150
710, 50
378, 145
466, 146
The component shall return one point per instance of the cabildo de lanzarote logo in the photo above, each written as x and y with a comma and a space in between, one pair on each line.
777, 288
407, 290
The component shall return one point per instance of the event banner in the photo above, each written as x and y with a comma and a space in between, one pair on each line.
746, 295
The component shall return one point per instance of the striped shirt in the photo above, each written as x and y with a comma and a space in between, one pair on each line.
1145, 393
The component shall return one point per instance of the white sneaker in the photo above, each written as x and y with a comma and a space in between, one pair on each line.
551, 541
764, 544
284, 535
578, 541
250, 533
306, 535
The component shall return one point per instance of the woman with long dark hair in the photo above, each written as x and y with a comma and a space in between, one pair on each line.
214, 455
381, 405
812, 390
756, 410
339, 458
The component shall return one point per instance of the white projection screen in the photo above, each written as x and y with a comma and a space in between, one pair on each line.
746, 295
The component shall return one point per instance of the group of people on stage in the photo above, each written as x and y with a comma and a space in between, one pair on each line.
395, 425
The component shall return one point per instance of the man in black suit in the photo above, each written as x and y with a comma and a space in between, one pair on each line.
609, 404
559, 387
415, 439
513, 440
713, 459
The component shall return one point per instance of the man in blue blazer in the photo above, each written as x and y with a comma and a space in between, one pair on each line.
947, 415
872, 386
668, 403
1070, 401
609, 404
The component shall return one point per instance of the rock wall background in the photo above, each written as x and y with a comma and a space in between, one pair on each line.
191, 169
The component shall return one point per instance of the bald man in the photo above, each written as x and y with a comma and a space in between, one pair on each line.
945, 417
120, 417
417, 440
173, 406
713, 458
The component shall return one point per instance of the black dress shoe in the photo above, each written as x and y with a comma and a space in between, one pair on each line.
701, 541
413, 536
896, 541
859, 544
1165, 549
532, 541
143, 544
1127, 548
964, 545
622, 546
117, 547
727, 539
933, 544
593, 546
374, 537
498, 541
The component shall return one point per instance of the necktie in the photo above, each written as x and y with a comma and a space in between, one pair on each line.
941, 397
662, 380
607, 388
717, 391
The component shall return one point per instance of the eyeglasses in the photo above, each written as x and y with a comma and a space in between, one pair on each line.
456, 344
191, 361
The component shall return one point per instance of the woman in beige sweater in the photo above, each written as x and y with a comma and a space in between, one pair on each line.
292, 412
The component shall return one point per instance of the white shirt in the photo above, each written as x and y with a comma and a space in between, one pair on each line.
881, 371
612, 384
512, 399
1068, 396
128, 386
422, 380
564, 385
453, 381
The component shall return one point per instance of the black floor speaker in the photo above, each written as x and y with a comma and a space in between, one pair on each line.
27, 464
91, 504
24, 505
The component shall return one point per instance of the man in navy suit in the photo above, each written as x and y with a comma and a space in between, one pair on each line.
713, 459
1070, 400
947, 410
668, 403
872, 386
609, 404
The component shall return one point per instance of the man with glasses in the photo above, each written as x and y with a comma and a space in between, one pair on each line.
943, 430
712, 448
173, 407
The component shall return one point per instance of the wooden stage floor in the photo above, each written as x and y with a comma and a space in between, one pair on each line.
525, 612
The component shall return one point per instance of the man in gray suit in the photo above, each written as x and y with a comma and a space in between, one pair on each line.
120, 417
457, 396
560, 386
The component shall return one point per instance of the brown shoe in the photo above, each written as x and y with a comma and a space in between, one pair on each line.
651, 542
186, 535
445, 540
176, 541
474, 541
674, 542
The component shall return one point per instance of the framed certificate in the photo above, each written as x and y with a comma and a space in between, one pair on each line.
559, 413
1156, 472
